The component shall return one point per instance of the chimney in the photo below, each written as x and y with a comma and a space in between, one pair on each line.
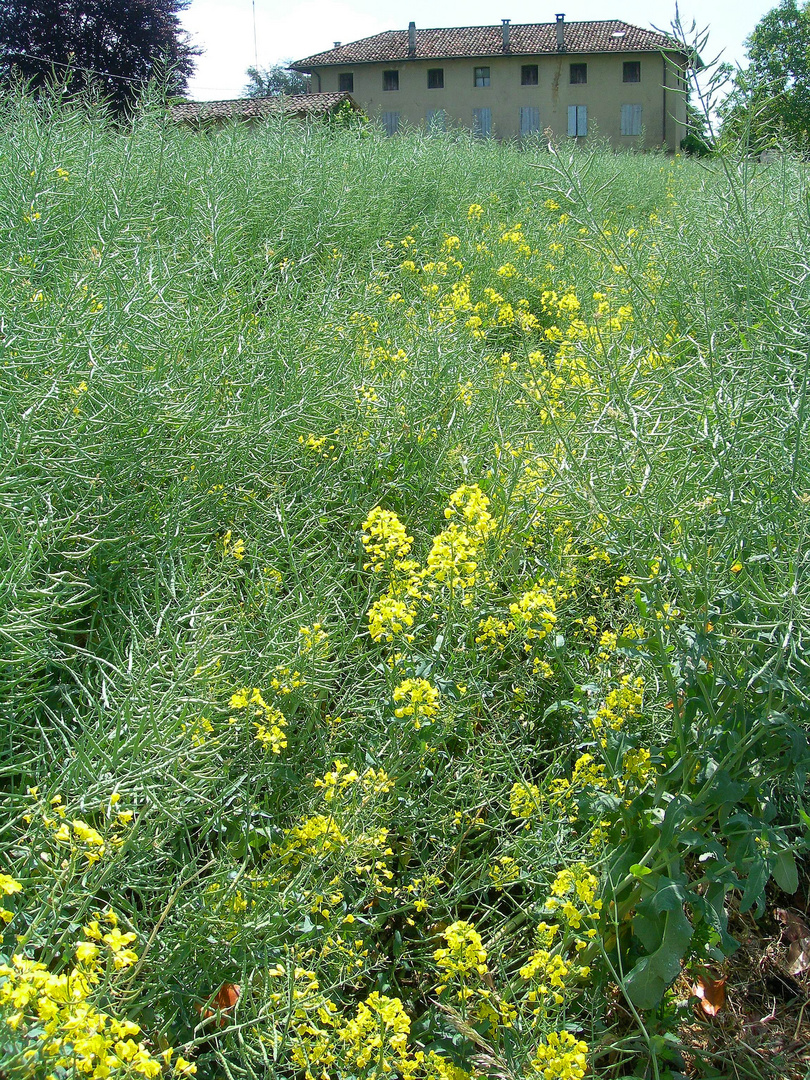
506, 45
560, 35
337, 44
411, 39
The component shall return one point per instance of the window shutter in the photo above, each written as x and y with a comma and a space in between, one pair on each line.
390, 122
482, 123
631, 120
577, 119
529, 119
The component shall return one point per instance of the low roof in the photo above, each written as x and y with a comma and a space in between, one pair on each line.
256, 108
525, 39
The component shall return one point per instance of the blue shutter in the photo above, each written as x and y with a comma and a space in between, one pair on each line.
482, 123
631, 120
390, 122
529, 119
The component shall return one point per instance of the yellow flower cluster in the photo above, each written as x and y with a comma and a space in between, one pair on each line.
81, 839
638, 766
416, 698
622, 703
56, 1017
453, 558
268, 721
341, 778
561, 1057
493, 632
534, 612
384, 538
314, 640
8, 886
463, 964
504, 871
571, 884
464, 955
524, 801
372, 1043
234, 549
452, 561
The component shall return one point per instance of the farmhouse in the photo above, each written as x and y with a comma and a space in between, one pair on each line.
575, 78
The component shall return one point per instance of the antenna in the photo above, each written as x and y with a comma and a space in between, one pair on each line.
255, 46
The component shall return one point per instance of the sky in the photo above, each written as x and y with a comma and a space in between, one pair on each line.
293, 29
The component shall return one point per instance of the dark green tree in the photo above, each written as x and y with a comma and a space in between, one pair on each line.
113, 46
770, 98
274, 81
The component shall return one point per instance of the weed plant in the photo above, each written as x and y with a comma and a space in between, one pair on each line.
405, 592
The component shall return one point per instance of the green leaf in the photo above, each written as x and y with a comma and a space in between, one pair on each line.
646, 983
639, 870
784, 872
754, 892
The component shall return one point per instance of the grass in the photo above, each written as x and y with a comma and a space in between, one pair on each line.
340, 759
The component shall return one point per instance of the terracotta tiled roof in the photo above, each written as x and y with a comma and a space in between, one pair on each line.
526, 39
255, 108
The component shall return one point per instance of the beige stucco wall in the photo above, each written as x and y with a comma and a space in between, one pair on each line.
663, 110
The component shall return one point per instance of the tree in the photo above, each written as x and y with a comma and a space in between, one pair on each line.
274, 81
113, 46
771, 97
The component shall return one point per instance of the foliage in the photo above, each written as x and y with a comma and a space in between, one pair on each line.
407, 575
274, 81
770, 99
112, 46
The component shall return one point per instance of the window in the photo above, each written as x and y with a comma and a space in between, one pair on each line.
631, 120
579, 73
435, 78
390, 122
481, 76
436, 121
346, 81
529, 120
390, 80
528, 75
578, 120
482, 123
631, 71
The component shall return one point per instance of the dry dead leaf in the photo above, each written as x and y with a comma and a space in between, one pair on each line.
711, 992
796, 932
223, 1001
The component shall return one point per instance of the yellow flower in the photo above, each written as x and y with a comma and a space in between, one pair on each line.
9, 885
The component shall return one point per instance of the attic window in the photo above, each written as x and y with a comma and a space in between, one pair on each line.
435, 78
390, 80
631, 71
618, 33
528, 75
346, 81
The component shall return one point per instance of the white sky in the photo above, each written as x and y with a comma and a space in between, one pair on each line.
293, 29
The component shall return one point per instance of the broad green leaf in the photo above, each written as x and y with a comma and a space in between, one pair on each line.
646, 983
785, 873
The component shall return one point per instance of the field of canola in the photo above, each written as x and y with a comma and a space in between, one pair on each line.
406, 601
